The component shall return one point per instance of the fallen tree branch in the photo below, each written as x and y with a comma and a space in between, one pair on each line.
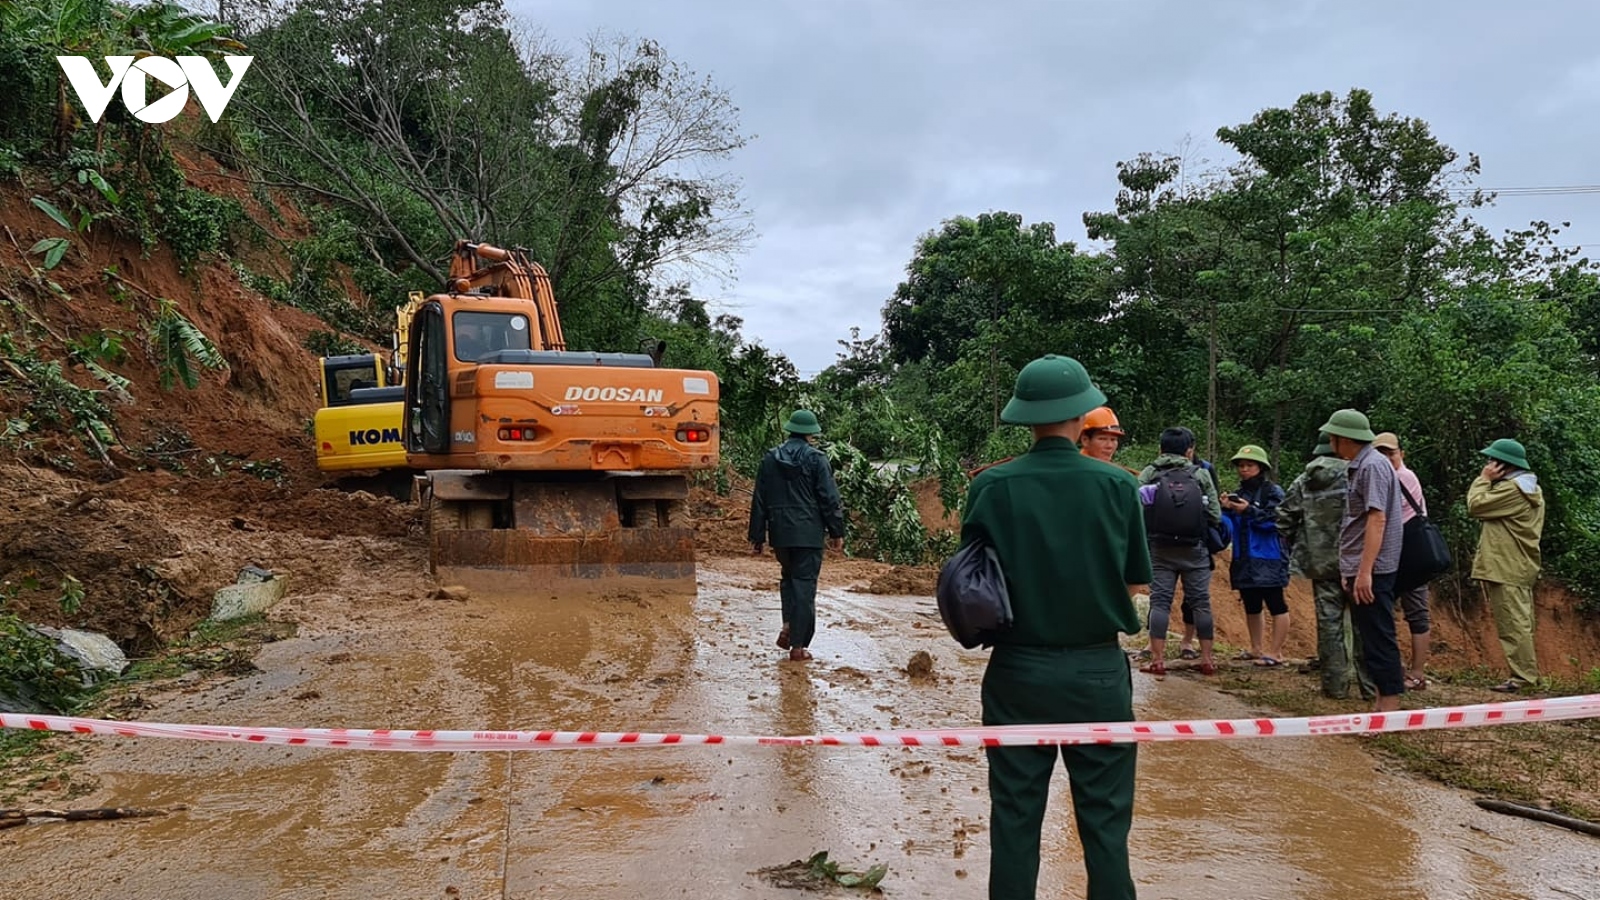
1540, 815
12, 818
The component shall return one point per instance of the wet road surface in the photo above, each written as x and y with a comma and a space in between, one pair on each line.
1286, 818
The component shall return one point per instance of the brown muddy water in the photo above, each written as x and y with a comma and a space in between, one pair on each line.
1270, 819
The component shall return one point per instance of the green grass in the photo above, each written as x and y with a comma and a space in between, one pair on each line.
1554, 764
223, 647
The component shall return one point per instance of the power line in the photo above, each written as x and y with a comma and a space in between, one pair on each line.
1548, 191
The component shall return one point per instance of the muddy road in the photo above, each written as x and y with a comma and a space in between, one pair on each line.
1290, 818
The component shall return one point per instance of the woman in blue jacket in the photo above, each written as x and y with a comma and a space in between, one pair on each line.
1260, 571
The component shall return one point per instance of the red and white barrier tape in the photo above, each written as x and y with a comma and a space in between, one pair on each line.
1546, 710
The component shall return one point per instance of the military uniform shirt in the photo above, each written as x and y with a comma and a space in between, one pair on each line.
1069, 532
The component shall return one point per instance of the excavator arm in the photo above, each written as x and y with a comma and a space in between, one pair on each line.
509, 273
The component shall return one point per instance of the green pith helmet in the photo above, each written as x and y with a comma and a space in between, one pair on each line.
802, 421
1507, 451
1351, 424
1252, 453
1051, 389
1324, 446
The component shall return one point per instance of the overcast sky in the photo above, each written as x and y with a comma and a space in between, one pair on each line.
875, 120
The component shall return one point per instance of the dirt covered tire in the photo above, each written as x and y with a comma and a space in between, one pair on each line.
678, 514
445, 515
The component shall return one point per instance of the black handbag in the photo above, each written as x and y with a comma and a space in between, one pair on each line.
973, 600
1424, 554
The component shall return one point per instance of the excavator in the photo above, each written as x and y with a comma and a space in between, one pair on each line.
542, 465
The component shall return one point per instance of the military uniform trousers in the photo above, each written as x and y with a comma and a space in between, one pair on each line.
797, 588
1041, 685
1338, 643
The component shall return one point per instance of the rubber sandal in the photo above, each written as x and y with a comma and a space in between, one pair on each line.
1416, 684
1245, 656
1507, 687
783, 638
799, 654
1268, 662
1155, 668
1143, 655
1189, 653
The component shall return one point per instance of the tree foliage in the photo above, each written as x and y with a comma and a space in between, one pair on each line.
1333, 263
428, 121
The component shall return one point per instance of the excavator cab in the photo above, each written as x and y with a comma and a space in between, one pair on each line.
546, 465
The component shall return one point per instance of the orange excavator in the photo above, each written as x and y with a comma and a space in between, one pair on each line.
543, 464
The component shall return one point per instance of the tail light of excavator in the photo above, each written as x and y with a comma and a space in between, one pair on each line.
519, 433
694, 434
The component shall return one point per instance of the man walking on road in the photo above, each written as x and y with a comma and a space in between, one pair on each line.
1309, 522
1370, 535
1413, 603
1506, 498
796, 508
1069, 534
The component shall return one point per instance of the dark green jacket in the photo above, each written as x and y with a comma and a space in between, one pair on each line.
1069, 531
796, 501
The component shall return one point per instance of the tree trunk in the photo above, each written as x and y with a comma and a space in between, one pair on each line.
1211, 380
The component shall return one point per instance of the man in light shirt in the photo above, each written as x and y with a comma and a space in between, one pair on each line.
1413, 603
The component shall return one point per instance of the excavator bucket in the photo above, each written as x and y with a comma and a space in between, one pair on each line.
506, 536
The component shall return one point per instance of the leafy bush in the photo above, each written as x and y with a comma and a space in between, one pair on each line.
328, 343
884, 522
32, 669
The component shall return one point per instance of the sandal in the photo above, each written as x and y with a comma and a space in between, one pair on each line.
799, 654
783, 638
1189, 653
1155, 668
1267, 662
1143, 655
1208, 669
1510, 686
1245, 656
1416, 684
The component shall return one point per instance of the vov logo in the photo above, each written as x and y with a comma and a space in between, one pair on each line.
182, 74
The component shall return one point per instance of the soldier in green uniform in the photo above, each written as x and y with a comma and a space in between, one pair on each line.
1069, 533
1308, 522
794, 505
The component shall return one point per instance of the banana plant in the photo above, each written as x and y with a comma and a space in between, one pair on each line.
181, 349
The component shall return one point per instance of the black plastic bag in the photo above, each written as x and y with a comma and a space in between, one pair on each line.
973, 600
1424, 553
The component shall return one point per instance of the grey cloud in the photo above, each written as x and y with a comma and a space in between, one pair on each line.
879, 118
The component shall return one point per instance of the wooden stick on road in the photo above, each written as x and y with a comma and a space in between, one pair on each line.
1540, 815
12, 818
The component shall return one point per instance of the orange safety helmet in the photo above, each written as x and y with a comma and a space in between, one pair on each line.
1101, 418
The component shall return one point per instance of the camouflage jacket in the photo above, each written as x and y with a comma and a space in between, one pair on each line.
1308, 520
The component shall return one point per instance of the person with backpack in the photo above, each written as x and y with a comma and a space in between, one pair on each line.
1308, 523
1180, 508
1260, 571
1218, 543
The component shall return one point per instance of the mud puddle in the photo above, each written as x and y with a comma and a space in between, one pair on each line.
1289, 818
